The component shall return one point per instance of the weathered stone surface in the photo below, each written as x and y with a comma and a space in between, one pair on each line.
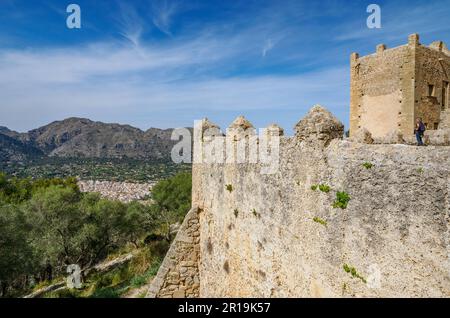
240, 128
393, 137
178, 274
209, 128
240, 123
363, 136
394, 230
274, 130
439, 137
319, 125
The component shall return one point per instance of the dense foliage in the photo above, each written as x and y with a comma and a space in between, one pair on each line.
48, 224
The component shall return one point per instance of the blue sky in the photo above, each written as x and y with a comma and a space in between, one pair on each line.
166, 63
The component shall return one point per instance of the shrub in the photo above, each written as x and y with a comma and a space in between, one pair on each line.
367, 165
324, 188
342, 199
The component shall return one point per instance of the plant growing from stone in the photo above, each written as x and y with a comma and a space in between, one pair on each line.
342, 199
324, 188
229, 188
351, 270
236, 213
367, 165
256, 213
320, 221
321, 187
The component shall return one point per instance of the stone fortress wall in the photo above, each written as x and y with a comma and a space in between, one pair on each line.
277, 235
393, 87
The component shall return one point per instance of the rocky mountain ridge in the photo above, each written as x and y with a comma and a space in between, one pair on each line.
81, 137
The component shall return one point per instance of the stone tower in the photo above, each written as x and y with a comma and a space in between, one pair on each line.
393, 87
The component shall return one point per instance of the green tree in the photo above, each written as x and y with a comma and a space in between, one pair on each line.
172, 200
174, 194
16, 254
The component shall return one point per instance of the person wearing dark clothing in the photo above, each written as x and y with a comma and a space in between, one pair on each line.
419, 131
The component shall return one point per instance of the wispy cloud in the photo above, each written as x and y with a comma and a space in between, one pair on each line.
163, 12
113, 83
268, 45
272, 61
131, 24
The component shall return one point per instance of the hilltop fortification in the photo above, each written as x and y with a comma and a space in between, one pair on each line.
338, 218
363, 216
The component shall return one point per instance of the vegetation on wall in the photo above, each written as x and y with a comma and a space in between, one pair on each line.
342, 199
320, 221
352, 271
368, 165
322, 188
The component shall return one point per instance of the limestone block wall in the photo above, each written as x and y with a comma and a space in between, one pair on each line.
432, 68
391, 88
272, 235
380, 87
178, 276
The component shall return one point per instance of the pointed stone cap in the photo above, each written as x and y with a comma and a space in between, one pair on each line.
209, 128
440, 46
274, 130
320, 125
240, 128
241, 122
206, 124
413, 39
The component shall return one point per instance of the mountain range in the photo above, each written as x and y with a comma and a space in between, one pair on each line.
80, 137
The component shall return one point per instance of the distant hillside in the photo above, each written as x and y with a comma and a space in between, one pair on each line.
83, 138
13, 150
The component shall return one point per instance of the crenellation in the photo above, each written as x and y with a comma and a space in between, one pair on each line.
370, 201
274, 130
278, 248
240, 128
413, 40
381, 48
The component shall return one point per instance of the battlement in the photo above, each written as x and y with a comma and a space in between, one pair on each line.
319, 122
320, 215
379, 208
413, 42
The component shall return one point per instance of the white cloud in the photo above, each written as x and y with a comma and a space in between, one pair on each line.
130, 23
268, 45
163, 13
106, 82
